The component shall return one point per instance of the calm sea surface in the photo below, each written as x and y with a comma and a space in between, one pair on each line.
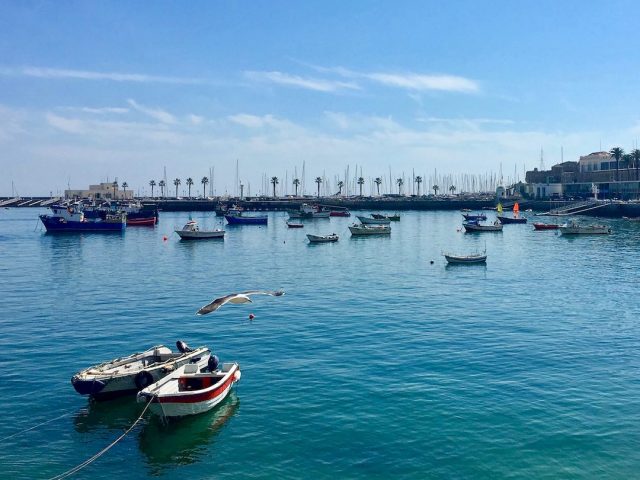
375, 364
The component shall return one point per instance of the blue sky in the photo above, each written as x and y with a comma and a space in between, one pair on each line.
90, 90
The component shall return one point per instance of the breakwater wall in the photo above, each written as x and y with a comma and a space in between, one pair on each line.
609, 210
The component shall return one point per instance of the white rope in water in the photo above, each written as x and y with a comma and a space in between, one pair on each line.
92, 459
35, 426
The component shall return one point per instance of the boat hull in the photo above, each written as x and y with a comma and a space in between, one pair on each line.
359, 231
141, 222
295, 225
339, 213
474, 228
545, 226
109, 385
238, 220
465, 260
58, 224
200, 235
374, 221
507, 220
598, 230
322, 239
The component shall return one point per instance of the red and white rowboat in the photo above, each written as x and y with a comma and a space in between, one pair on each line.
193, 388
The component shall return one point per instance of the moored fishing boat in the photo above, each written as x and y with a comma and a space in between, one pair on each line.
357, 230
141, 222
506, 220
392, 218
239, 219
373, 221
545, 226
71, 219
343, 212
322, 238
573, 228
127, 375
309, 211
470, 217
192, 389
294, 225
191, 231
465, 259
473, 227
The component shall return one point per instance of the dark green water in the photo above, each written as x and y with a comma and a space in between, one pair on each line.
376, 363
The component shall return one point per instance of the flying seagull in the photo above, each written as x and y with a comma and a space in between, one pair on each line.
243, 297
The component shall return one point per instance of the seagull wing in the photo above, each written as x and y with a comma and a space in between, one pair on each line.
216, 304
276, 293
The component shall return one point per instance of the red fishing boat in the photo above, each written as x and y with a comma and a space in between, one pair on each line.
545, 226
141, 222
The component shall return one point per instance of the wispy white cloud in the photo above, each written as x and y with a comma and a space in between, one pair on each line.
316, 84
257, 121
468, 122
68, 125
105, 110
59, 73
195, 119
156, 113
412, 81
418, 82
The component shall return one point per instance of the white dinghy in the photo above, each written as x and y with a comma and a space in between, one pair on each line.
128, 375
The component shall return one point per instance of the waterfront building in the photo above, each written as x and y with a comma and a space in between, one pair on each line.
101, 191
578, 179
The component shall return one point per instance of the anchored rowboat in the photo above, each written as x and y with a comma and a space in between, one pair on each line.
192, 389
322, 238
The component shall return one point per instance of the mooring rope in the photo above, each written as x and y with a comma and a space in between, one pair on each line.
92, 459
35, 426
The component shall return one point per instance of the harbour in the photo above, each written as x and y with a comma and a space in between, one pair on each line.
498, 374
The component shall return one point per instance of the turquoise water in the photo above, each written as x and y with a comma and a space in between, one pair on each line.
375, 364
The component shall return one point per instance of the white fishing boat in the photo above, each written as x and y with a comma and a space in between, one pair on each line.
322, 238
127, 375
191, 231
193, 388
309, 211
374, 221
465, 259
573, 228
370, 230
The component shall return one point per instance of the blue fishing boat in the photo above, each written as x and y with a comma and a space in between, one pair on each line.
245, 220
71, 219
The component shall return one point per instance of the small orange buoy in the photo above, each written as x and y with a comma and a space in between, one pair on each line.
251, 316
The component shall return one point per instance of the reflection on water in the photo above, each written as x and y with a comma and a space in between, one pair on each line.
115, 414
184, 441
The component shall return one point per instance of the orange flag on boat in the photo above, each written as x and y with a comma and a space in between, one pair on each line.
516, 207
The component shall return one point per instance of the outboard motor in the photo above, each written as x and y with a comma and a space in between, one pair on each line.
183, 347
213, 363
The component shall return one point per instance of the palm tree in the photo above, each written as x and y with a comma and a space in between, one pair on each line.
177, 182
400, 182
361, 183
152, 183
296, 184
452, 189
204, 182
115, 187
617, 153
418, 181
378, 182
318, 181
162, 184
189, 184
124, 187
635, 154
435, 189
274, 182
340, 186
